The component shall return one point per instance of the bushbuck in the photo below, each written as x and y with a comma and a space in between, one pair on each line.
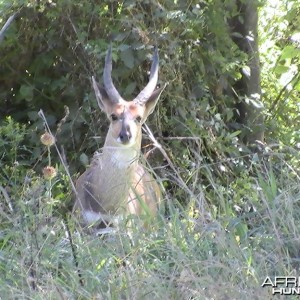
116, 184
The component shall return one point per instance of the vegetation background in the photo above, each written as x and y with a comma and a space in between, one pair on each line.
228, 125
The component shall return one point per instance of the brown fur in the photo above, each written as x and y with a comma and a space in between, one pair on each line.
116, 184
117, 190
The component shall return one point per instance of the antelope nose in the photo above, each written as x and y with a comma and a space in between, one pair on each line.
125, 135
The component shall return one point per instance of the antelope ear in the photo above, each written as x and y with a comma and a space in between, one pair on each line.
152, 101
102, 98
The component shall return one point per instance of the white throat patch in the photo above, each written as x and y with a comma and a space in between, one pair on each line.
123, 158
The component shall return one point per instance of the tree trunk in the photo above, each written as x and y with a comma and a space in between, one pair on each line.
248, 87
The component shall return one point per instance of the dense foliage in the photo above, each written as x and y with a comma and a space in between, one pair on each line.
280, 55
60, 45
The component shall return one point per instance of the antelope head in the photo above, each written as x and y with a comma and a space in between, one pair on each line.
126, 117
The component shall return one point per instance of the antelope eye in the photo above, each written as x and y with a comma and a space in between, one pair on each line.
114, 117
138, 119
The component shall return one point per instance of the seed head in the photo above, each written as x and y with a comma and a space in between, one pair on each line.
47, 139
49, 172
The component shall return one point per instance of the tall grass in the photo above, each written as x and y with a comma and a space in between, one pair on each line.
199, 251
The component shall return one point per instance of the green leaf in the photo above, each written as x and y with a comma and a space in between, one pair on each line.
123, 47
26, 92
130, 88
237, 34
234, 134
254, 100
127, 58
280, 69
246, 71
84, 159
297, 86
241, 230
290, 51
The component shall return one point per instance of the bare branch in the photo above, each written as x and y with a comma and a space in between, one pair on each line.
6, 25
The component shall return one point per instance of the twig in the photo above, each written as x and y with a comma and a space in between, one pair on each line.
69, 235
41, 114
6, 25
164, 153
276, 101
64, 119
179, 138
5, 194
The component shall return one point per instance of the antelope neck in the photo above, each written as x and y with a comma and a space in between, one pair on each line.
121, 157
